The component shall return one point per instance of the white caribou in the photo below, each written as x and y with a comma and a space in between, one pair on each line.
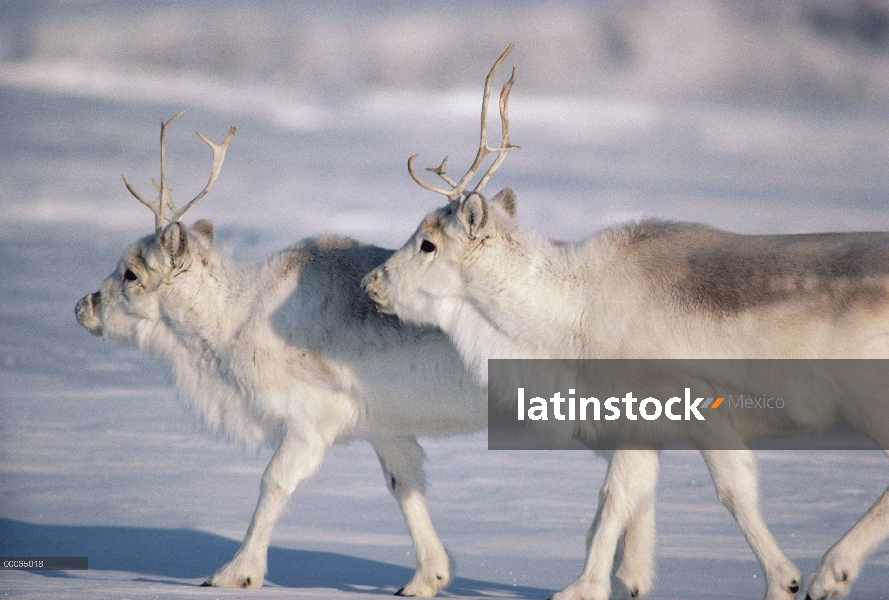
648, 290
289, 352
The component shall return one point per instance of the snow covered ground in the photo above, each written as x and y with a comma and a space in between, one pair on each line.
98, 459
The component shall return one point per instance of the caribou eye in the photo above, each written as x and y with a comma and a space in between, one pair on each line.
427, 246
129, 275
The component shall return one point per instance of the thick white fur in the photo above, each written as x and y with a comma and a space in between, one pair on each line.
502, 292
290, 352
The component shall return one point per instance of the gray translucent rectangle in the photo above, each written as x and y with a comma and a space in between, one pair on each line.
711, 404
44, 563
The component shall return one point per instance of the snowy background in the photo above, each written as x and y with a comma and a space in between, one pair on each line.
754, 117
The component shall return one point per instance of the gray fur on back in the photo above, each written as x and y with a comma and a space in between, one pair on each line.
724, 273
333, 312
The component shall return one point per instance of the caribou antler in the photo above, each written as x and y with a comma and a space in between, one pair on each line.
160, 205
459, 188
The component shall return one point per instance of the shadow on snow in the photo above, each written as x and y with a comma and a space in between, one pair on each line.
189, 554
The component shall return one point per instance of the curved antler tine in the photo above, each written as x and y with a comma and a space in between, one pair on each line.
138, 196
483, 149
441, 172
459, 187
164, 199
488, 81
504, 109
219, 151
504, 126
452, 195
159, 206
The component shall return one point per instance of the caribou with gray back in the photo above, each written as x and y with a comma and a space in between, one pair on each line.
651, 289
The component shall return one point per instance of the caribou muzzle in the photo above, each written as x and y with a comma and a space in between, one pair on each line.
374, 284
87, 313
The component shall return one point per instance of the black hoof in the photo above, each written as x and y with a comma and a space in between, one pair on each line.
794, 587
634, 593
400, 592
207, 584
808, 597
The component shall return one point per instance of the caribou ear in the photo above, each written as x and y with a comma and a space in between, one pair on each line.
474, 214
204, 230
174, 240
506, 200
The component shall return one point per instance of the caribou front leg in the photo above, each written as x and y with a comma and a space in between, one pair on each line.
636, 560
402, 462
295, 459
629, 488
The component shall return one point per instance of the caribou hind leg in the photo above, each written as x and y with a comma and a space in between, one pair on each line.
402, 462
735, 476
842, 564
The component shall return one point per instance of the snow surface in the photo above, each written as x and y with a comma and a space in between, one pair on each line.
97, 457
